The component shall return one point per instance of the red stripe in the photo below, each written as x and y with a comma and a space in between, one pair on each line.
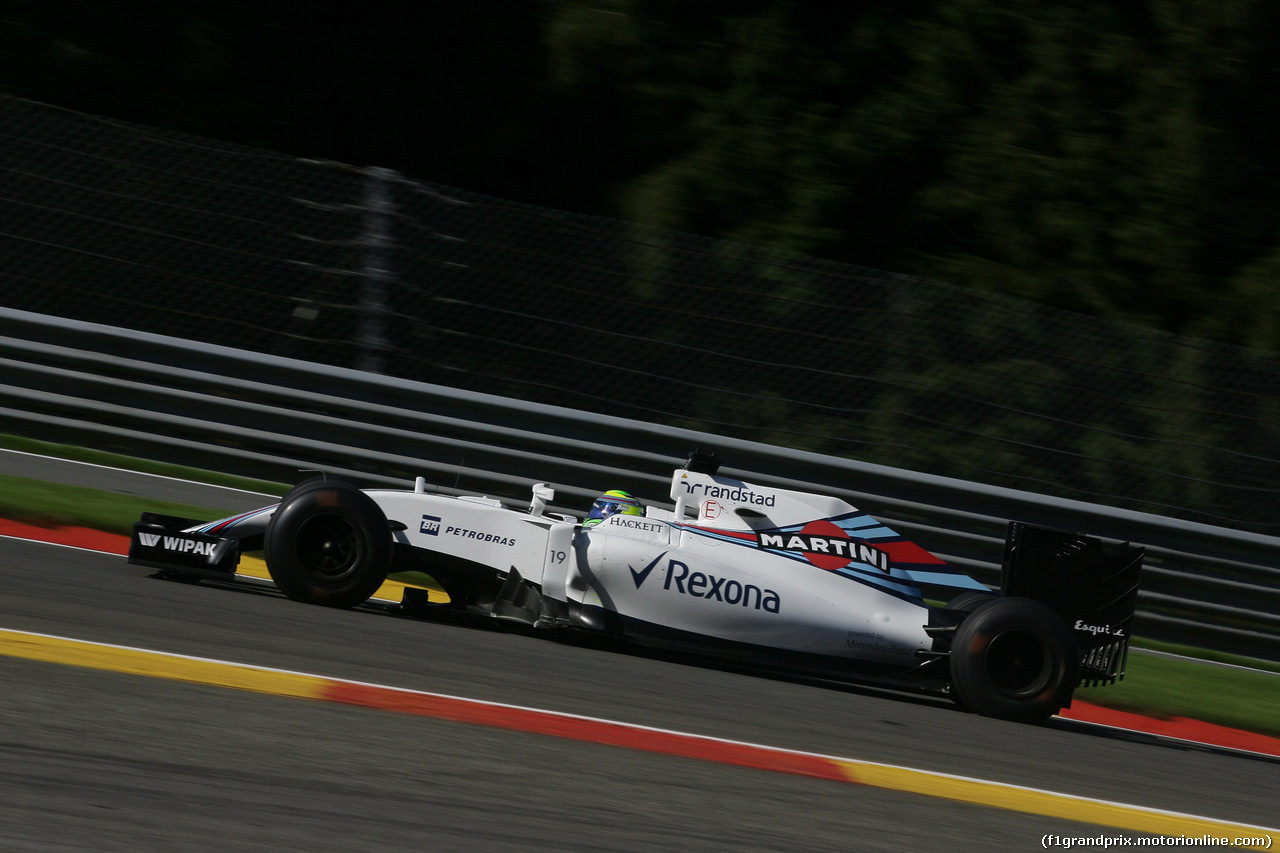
746, 536
79, 537
1178, 727
232, 520
907, 552
582, 729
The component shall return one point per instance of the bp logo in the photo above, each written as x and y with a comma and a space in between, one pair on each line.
825, 545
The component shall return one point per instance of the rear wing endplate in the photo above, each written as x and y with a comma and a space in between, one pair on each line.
1092, 584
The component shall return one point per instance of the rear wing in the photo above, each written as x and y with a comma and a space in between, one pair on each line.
1091, 584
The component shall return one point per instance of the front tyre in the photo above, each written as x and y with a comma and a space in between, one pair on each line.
1015, 659
328, 543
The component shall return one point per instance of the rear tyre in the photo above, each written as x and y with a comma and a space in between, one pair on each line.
1015, 659
328, 543
967, 601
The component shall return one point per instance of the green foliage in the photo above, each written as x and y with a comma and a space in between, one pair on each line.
1117, 160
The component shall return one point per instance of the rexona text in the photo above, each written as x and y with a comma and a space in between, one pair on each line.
712, 588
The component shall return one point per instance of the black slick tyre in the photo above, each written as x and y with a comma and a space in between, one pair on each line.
1015, 659
328, 543
965, 602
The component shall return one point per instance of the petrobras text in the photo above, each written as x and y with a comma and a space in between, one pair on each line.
479, 536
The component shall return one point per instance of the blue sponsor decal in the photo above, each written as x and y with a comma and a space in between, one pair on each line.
430, 525
639, 577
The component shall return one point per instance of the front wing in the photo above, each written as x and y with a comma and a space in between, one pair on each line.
164, 542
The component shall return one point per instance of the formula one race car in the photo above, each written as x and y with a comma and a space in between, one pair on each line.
734, 571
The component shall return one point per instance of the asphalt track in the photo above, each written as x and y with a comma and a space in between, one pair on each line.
106, 760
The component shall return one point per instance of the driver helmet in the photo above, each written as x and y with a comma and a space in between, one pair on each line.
613, 502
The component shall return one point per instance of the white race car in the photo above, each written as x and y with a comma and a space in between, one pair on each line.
773, 577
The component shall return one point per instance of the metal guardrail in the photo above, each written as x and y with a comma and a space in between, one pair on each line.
264, 416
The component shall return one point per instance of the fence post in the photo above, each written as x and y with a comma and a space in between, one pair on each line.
378, 208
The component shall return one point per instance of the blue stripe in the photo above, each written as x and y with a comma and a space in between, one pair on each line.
956, 581
885, 585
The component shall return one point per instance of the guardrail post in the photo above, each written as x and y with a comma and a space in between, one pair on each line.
378, 207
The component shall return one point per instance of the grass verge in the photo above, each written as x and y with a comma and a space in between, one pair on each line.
51, 505
1178, 687
130, 463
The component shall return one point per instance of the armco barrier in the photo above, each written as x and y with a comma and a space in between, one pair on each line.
264, 416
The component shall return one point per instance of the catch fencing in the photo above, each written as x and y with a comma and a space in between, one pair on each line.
364, 268
272, 417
